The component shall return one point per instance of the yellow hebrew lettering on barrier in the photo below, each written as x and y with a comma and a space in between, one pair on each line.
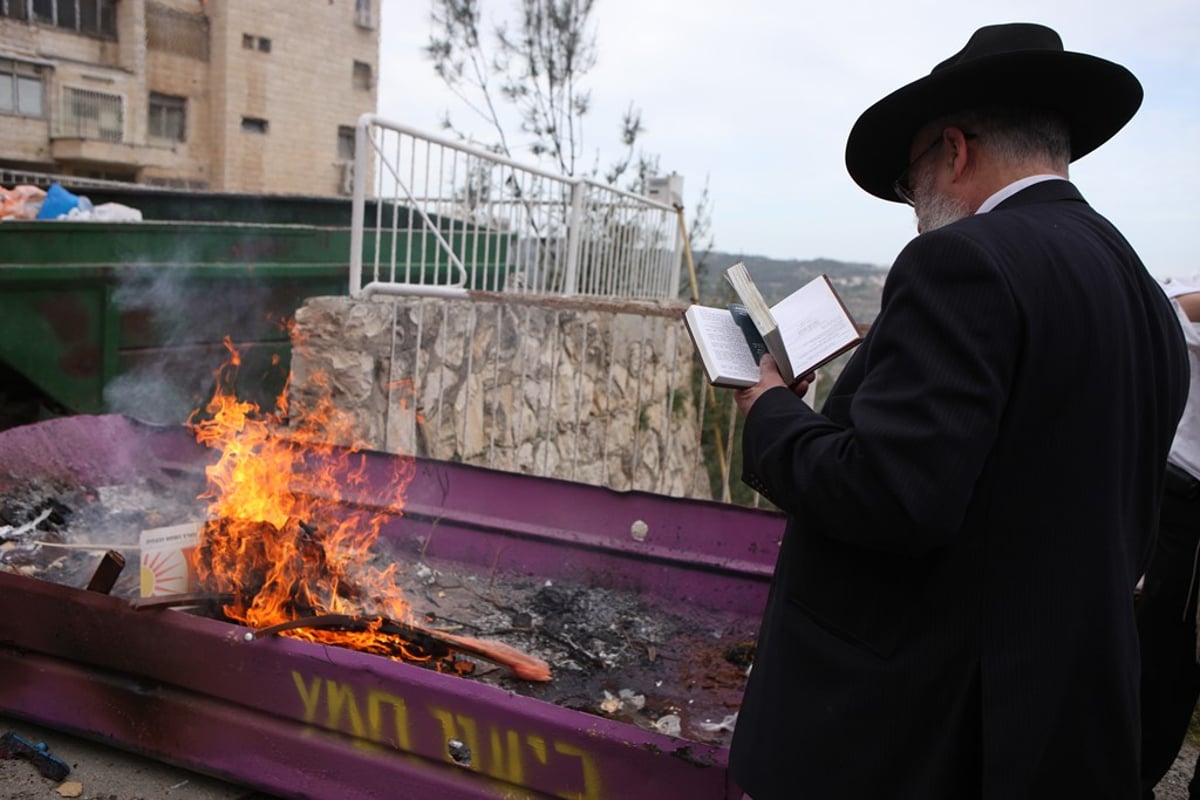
310, 694
538, 745
514, 770
591, 773
338, 696
505, 759
469, 735
376, 702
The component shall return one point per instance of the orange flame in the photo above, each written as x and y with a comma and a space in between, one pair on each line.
278, 538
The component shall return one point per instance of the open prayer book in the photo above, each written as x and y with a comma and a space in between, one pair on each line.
803, 331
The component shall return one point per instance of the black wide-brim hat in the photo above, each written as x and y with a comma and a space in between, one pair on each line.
1019, 64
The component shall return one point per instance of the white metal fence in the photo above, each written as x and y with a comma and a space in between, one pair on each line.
443, 218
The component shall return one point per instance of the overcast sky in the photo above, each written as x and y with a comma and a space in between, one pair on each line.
758, 96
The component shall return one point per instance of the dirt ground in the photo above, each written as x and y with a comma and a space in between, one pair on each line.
100, 772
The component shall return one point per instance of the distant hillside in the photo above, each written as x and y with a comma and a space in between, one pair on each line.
859, 285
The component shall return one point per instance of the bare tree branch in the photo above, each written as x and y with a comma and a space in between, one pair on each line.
536, 65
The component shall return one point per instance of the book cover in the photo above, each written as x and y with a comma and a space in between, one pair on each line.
166, 566
741, 316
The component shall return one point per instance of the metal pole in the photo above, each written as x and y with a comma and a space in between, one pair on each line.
358, 207
574, 223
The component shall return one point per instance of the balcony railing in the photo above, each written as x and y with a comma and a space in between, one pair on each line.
88, 114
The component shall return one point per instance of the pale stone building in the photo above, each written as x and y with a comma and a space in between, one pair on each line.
254, 96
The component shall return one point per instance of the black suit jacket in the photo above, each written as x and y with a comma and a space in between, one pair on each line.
951, 613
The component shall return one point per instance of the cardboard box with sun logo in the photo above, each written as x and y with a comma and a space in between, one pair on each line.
166, 566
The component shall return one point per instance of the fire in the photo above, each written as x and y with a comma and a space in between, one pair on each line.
297, 560
278, 538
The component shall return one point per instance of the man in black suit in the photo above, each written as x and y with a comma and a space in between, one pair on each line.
951, 615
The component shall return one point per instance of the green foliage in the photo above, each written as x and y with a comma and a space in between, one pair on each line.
678, 398
859, 285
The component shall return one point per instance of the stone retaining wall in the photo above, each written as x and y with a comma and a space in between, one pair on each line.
585, 390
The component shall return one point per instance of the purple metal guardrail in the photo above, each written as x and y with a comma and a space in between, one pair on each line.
310, 721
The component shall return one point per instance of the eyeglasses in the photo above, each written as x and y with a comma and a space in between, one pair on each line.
901, 186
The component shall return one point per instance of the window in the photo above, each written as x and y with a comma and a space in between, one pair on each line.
362, 75
17, 9
168, 117
88, 114
250, 41
21, 90
345, 143
95, 17
108, 16
66, 15
89, 17
364, 16
345, 162
254, 125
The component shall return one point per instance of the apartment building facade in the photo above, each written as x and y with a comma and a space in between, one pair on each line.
253, 96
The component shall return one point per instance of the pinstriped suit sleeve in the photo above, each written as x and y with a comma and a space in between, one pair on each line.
892, 463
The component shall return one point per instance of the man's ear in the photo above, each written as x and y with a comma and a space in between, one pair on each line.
957, 143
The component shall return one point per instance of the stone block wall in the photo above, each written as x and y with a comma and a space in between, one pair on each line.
590, 391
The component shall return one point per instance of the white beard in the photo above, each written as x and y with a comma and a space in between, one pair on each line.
933, 209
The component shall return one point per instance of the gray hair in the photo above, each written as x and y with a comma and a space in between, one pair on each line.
1019, 134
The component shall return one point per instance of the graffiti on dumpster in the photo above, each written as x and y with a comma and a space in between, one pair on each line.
503, 753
